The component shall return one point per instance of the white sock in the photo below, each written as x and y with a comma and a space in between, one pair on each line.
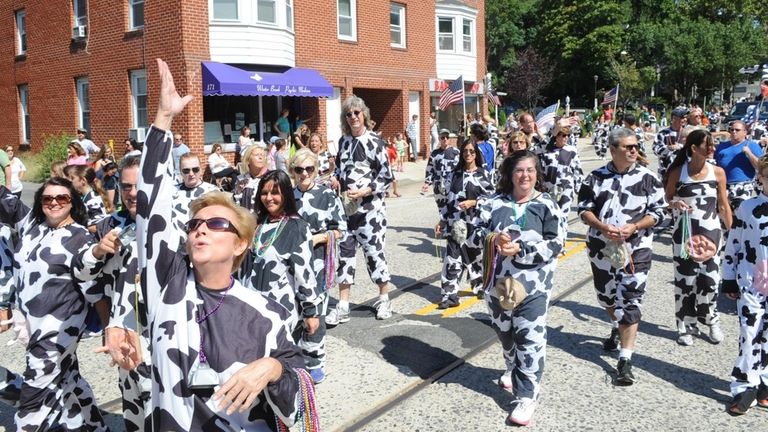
343, 305
615, 324
625, 353
383, 297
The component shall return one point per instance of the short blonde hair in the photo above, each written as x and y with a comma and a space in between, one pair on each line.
247, 157
243, 221
302, 155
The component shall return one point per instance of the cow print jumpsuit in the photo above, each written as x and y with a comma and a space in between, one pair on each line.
439, 171
182, 199
561, 174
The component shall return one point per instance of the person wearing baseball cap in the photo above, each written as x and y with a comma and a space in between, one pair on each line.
89, 146
668, 140
440, 165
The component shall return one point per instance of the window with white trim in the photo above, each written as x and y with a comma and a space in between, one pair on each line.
225, 10
139, 98
347, 19
266, 11
80, 12
24, 113
397, 25
466, 32
136, 13
21, 32
289, 14
444, 34
83, 102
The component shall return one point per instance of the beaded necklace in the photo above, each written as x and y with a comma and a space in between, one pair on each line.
260, 247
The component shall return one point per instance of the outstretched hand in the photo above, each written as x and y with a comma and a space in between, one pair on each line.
170, 103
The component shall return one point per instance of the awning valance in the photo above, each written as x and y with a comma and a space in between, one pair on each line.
221, 79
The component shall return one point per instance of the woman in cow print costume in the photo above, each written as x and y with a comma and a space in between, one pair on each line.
745, 279
468, 185
55, 304
442, 161
326, 162
321, 208
621, 203
255, 166
364, 176
561, 168
207, 373
93, 195
697, 190
600, 139
527, 231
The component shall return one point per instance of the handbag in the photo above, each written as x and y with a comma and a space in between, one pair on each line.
510, 292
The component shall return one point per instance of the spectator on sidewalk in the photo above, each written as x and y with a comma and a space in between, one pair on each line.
76, 155
88, 146
18, 169
413, 135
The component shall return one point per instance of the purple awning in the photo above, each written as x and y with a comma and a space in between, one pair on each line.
221, 79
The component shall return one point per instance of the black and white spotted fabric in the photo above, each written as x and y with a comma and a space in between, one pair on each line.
561, 174
324, 161
175, 335
523, 331
94, 206
600, 140
181, 202
665, 147
618, 199
245, 191
440, 166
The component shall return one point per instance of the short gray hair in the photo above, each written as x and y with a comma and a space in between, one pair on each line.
616, 135
349, 104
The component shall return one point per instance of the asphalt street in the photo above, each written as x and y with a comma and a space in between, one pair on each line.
432, 370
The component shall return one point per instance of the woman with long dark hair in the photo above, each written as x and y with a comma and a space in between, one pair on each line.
94, 197
468, 185
696, 189
522, 232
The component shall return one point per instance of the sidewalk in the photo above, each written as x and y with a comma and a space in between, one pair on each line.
413, 173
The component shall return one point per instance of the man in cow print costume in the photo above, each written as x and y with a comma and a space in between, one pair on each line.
745, 278
669, 140
191, 188
440, 166
207, 373
600, 139
364, 176
561, 168
114, 267
621, 202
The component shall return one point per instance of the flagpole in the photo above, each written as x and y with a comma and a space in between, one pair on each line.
464, 108
616, 102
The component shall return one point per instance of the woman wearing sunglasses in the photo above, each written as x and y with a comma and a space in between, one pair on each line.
97, 203
469, 184
561, 168
206, 370
321, 208
253, 167
55, 304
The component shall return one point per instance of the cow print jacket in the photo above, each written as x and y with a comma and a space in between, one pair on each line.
745, 263
440, 166
12, 210
561, 174
662, 148
245, 191
182, 200
362, 163
94, 206
464, 185
246, 327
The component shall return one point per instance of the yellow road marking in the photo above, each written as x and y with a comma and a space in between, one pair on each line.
465, 304
578, 248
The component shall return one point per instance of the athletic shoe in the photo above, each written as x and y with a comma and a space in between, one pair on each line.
762, 396
685, 339
742, 402
612, 343
383, 309
449, 301
505, 380
716, 333
625, 376
337, 316
318, 375
523, 412
693, 330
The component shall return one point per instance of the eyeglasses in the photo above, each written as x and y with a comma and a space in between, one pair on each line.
630, 147
299, 170
469, 151
127, 187
218, 224
352, 113
734, 130
188, 170
61, 200
521, 171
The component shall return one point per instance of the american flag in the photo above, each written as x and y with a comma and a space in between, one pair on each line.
610, 97
546, 117
452, 94
493, 97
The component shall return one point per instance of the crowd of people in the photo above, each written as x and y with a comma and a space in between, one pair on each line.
162, 260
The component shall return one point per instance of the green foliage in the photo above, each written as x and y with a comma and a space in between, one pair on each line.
54, 149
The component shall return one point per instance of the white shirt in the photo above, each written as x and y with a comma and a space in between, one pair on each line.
88, 146
17, 166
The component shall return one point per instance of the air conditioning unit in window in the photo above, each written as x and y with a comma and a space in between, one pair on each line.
139, 134
78, 32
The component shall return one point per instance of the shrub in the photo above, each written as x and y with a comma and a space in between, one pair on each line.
54, 149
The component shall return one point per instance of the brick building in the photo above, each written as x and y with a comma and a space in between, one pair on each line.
79, 63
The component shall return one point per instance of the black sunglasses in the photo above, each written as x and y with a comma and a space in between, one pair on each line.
187, 170
126, 187
214, 224
631, 147
352, 113
61, 200
299, 170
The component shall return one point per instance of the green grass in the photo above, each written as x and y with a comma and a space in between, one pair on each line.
39, 164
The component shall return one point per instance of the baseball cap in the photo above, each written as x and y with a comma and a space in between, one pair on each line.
680, 111
274, 139
445, 132
81, 130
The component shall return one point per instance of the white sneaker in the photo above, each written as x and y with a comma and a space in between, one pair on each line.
505, 381
716, 334
337, 316
383, 309
685, 339
523, 412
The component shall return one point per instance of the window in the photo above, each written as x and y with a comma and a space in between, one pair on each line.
289, 14
136, 9
445, 34
347, 26
265, 11
80, 12
24, 111
225, 9
466, 32
397, 25
21, 32
139, 98
83, 102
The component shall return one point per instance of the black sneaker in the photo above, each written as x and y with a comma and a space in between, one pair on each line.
449, 302
762, 396
625, 377
742, 402
612, 343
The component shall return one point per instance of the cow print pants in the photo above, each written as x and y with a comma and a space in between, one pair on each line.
751, 366
696, 291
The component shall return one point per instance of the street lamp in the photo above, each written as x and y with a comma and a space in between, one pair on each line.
595, 77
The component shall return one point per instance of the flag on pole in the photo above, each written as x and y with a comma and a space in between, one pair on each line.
452, 94
610, 97
545, 119
750, 116
493, 97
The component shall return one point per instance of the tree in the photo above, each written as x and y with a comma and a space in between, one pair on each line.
526, 79
509, 28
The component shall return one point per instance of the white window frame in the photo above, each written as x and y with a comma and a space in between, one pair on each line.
136, 76
400, 10
352, 21
26, 131
132, 4
213, 12
21, 32
82, 87
259, 3
80, 20
452, 34
289, 14
471, 35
